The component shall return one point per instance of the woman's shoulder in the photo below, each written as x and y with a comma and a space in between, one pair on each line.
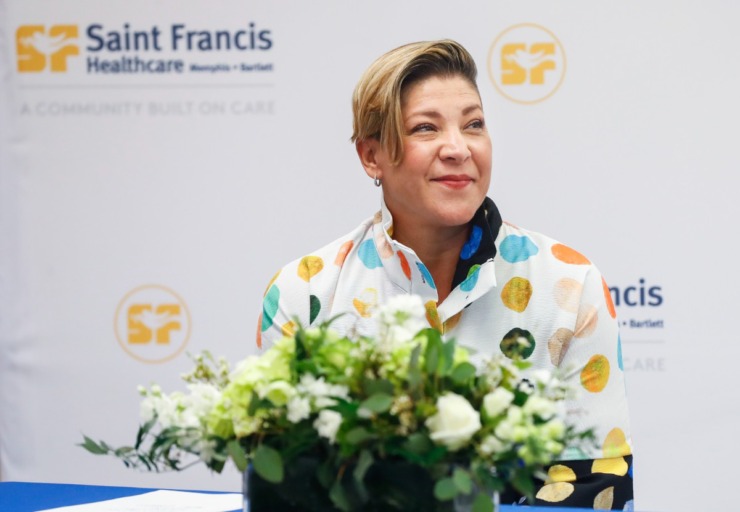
336, 250
304, 287
516, 244
314, 268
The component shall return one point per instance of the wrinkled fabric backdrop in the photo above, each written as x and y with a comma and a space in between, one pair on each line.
159, 164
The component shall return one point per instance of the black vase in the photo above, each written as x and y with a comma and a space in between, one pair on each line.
391, 484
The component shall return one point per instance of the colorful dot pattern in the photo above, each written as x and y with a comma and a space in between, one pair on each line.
516, 294
608, 485
473, 243
517, 248
514, 291
471, 280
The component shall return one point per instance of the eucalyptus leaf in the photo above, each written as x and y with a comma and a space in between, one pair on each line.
238, 455
216, 465
363, 464
431, 359
325, 473
414, 359
462, 481
444, 489
489, 480
448, 357
123, 451
522, 482
93, 447
339, 497
377, 403
433, 356
418, 443
144, 430
373, 386
268, 464
358, 435
146, 461
482, 503
462, 373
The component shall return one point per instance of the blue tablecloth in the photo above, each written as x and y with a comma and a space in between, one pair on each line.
31, 497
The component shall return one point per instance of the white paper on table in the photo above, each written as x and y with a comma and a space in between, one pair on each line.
161, 501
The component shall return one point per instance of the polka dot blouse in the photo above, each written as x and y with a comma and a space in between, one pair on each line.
509, 284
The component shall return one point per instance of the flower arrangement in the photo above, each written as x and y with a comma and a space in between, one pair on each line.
355, 423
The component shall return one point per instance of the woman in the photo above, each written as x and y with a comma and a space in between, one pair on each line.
421, 135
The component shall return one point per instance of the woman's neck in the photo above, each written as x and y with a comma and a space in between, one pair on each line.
439, 250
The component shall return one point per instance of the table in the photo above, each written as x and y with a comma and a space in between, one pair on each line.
31, 497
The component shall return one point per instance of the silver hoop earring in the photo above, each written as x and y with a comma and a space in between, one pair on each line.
377, 181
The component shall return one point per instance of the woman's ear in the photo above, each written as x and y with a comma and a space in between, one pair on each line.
369, 152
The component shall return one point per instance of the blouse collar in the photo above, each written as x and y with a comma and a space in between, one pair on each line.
474, 274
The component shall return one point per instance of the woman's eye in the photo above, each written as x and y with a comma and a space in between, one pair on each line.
422, 128
477, 124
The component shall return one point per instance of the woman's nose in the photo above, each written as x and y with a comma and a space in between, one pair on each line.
454, 146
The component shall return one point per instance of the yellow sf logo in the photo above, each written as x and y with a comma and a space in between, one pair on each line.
518, 63
146, 322
526, 63
35, 45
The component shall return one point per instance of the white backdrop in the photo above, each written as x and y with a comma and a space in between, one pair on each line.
121, 192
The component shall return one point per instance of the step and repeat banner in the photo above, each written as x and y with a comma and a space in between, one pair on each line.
159, 162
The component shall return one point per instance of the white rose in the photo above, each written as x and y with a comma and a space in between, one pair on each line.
455, 422
327, 424
496, 402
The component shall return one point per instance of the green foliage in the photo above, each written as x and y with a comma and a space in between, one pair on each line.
354, 423
445, 489
463, 373
482, 503
268, 463
238, 455
463, 483
377, 403
95, 448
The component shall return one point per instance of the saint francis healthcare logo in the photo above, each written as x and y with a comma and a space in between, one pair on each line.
526, 63
152, 324
40, 49
644, 331
104, 49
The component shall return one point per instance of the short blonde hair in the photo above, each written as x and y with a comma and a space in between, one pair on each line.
376, 101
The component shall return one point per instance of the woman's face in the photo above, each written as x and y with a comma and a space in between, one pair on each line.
446, 168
